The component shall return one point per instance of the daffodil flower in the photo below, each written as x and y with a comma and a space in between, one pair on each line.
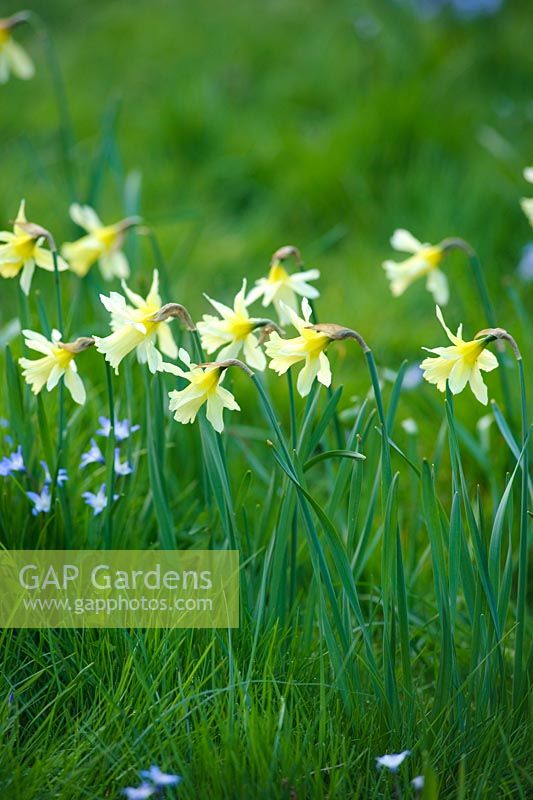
204, 388
527, 202
13, 58
103, 243
308, 347
58, 362
425, 261
281, 288
139, 325
460, 363
233, 332
22, 251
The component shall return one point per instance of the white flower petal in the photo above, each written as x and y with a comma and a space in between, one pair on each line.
405, 242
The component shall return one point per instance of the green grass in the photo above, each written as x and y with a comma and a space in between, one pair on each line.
379, 609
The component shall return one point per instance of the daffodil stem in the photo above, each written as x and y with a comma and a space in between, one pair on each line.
490, 316
110, 482
336, 423
387, 469
523, 548
272, 418
61, 420
59, 303
292, 410
24, 311
160, 262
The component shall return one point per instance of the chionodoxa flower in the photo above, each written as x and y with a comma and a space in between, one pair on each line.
204, 388
13, 58
281, 287
234, 331
23, 250
460, 363
424, 261
103, 243
137, 326
58, 361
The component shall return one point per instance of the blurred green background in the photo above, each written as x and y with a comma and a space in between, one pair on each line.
257, 124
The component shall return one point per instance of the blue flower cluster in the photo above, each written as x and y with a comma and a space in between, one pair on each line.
13, 464
123, 430
154, 784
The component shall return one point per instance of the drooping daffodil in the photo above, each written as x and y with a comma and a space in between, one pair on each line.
424, 262
139, 326
102, 244
283, 288
309, 347
460, 363
233, 331
13, 58
58, 362
204, 388
22, 250
527, 202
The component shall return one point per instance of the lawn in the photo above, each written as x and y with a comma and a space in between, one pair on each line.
383, 526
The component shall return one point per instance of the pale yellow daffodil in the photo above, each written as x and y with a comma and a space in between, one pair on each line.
137, 327
283, 288
460, 363
425, 261
308, 347
102, 244
527, 202
204, 388
13, 58
58, 362
22, 250
233, 332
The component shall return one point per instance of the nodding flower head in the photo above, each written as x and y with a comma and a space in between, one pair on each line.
309, 347
22, 250
139, 325
14, 58
462, 362
203, 388
234, 331
424, 261
58, 362
282, 288
102, 244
